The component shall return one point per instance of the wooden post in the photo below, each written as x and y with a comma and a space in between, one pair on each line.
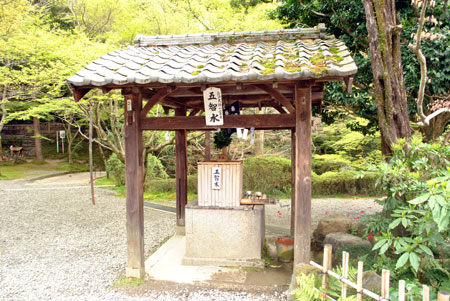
207, 146
302, 243
181, 170
293, 182
134, 185
401, 290
443, 296
425, 293
327, 253
359, 281
345, 262
385, 275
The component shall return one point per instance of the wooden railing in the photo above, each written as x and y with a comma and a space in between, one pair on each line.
358, 286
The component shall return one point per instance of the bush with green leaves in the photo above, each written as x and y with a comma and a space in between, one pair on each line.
415, 220
116, 169
330, 162
271, 175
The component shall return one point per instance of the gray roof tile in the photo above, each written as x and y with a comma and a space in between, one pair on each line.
285, 54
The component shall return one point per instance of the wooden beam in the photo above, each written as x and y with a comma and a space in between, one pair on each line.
181, 171
79, 93
278, 108
197, 123
134, 186
278, 96
302, 240
194, 112
154, 99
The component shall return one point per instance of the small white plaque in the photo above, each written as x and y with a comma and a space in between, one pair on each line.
212, 98
62, 134
129, 106
216, 177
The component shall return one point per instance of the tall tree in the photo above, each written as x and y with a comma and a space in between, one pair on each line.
384, 30
347, 21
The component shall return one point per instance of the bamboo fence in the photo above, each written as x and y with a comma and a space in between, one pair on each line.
358, 286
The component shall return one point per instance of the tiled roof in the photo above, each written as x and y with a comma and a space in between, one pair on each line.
211, 58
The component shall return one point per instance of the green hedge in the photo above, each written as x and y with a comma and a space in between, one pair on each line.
329, 162
157, 185
344, 182
272, 176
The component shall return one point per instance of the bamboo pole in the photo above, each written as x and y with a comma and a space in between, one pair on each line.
401, 290
349, 283
345, 261
425, 293
385, 284
327, 252
359, 281
443, 296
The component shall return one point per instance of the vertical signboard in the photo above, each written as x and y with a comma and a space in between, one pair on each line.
216, 177
212, 98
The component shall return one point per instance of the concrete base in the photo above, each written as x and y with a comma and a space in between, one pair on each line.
226, 236
257, 263
136, 273
180, 230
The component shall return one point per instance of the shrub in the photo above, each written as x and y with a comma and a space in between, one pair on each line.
344, 182
329, 162
158, 185
416, 212
270, 175
116, 169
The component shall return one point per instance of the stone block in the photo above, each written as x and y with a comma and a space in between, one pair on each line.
230, 235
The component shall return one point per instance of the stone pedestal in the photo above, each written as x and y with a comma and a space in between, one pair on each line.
226, 236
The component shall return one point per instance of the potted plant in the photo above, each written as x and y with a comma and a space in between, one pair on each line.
221, 141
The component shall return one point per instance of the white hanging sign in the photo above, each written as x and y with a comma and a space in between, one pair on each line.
212, 98
62, 134
216, 177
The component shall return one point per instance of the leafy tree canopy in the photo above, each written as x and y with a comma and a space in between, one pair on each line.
346, 20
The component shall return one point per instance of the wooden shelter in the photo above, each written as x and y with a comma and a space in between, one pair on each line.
285, 70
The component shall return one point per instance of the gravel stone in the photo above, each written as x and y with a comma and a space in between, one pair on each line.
55, 245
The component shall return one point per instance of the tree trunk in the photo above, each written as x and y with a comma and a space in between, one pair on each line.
259, 139
37, 139
389, 87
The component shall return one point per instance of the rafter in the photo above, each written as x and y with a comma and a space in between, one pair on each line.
278, 96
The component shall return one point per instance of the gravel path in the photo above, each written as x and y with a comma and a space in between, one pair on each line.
279, 214
54, 245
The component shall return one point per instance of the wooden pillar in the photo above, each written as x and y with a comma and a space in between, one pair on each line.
207, 145
181, 170
293, 149
302, 172
134, 185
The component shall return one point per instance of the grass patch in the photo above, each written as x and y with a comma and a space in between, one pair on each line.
12, 171
127, 282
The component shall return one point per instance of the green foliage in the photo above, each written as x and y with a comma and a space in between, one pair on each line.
116, 169
270, 175
222, 139
309, 286
344, 182
417, 211
329, 162
155, 168
347, 21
